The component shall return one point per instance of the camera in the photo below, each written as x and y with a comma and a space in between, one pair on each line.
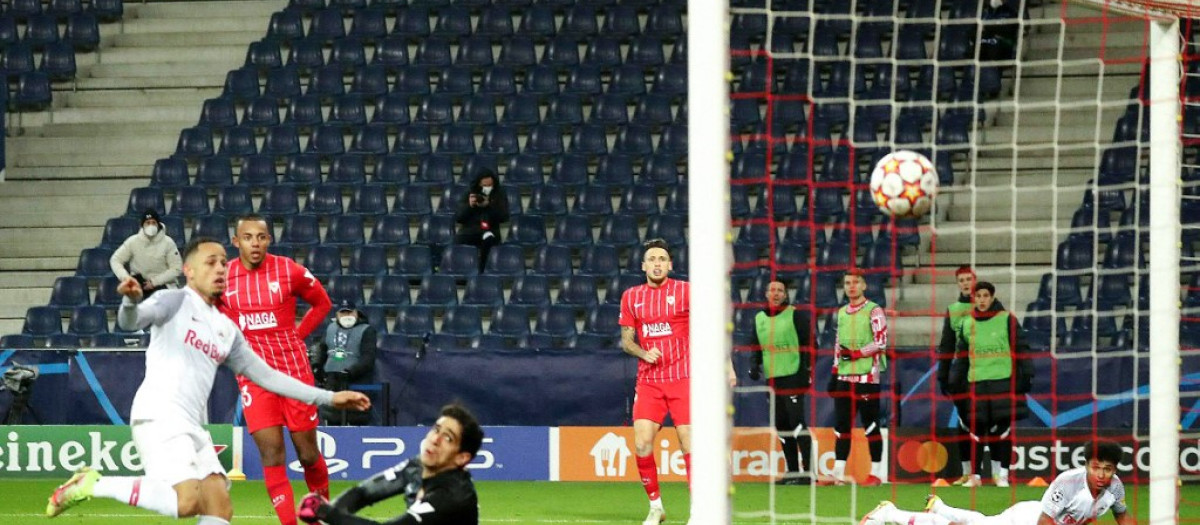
480, 199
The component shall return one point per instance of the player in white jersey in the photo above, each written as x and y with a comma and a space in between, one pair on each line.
189, 339
1076, 497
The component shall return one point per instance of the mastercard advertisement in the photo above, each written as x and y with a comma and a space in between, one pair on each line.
606, 454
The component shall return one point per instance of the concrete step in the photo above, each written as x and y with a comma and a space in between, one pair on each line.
106, 158
185, 39
183, 80
15, 280
38, 145
184, 10
117, 115
996, 235
197, 24
65, 241
161, 69
61, 264
131, 98
11, 326
68, 217
37, 189
213, 52
140, 173
92, 129
994, 274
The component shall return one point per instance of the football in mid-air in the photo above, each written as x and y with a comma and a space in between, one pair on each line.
904, 184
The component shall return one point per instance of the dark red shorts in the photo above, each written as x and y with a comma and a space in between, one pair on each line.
654, 401
266, 409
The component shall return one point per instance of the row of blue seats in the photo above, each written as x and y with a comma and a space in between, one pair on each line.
840, 79
456, 22
81, 31
393, 6
412, 172
105, 10
472, 112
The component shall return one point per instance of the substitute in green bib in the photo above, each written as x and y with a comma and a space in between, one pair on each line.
859, 361
992, 367
783, 355
951, 332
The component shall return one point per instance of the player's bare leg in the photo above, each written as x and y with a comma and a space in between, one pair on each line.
216, 506
684, 432
272, 453
887, 512
644, 432
316, 472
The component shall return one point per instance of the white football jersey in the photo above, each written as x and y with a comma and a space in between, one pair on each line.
189, 339
1069, 501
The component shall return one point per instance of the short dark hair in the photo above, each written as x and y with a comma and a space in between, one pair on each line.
1104, 450
472, 433
655, 243
251, 217
780, 281
195, 243
984, 285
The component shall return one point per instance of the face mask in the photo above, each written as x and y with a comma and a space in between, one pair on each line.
150, 230
996, 3
487, 190
347, 321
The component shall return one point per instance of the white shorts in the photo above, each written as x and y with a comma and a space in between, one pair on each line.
175, 452
1021, 513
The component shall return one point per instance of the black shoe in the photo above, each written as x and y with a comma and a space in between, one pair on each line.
794, 479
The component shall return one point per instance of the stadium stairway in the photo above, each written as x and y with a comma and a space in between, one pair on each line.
71, 168
984, 221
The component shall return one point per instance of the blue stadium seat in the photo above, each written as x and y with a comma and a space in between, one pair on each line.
413, 321
538, 21
306, 54
614, 170
433, 52
326, 140
58, 61
495, 21
524, 172
18, 60
301, 172
437, 290
391, 53
369, 81
304, 111
327, 25
589, 139
640, 199
345, 230
238, 141
634, 140
42, 321
587, 81
462, 321
521, 110
570, 170
9, 34
435, 171
69, 292
391, 110
527, 230
530, 290
262, 112
327, 81
63, 341
611, 110
214, 172
498, 81
324, 261
1062, 291
670, 228
82, 32
544, 140
500, 140
565, 110
452, 197
548, 200
478, 110
677, 201
412, 22
507, 260
324, 199
195, 142
580, 21
345, 288
282, 83
599, 260
282, 140
552, 260
12, 341
617, 285
541, 80
370, 140
519, 52
510, 320
646, 51
368, 261
169, 173
368, 200
1075, 254
604, 53
234, 200
578, 291
459, 261
286, 26
1113, 289
562, 51
264, 55
484, 290
756, 233
368, 25
473, 52
190, 201
457, 140
390, 230
436, 230
300, 231
390, 291
88, 321
348, 111
620, 231
556, 321
117, 229
414, 140
603, 320
212, 225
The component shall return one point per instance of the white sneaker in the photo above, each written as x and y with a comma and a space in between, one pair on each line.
1001, 481
932, 502
975, 481
876, 516
657, 515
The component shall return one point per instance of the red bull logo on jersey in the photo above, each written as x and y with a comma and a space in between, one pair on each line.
257, 321
656, 329
209, 349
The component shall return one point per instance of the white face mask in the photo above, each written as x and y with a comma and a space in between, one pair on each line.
150, 230
487, 190
996, 3
347, 321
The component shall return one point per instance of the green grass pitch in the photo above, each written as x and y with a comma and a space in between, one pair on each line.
23, 501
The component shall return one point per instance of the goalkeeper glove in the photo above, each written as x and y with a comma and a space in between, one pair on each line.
309, 508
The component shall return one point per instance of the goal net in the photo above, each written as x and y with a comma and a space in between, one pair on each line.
1038, 118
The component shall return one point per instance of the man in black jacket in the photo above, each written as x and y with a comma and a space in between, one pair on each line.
481, 213
785, 348
345, 355
435, 484
992, 367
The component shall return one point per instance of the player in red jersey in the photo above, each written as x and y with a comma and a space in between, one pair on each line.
261, 298
656, 314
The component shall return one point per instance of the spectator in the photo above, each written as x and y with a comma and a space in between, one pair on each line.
481, 213
345, 356
152, 256
991, 366
1001, 30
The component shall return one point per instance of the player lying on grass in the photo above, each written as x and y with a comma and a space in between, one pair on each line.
435, 484
189, 339
1079, 495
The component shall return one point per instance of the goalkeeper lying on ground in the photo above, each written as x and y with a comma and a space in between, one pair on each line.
1079, 495
435, 484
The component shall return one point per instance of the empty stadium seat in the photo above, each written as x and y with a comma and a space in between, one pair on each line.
69, 292
345, 230
413, 321
462, 321
390, 291
510, 320
300, 231
15, 341
435, 230
578, 291
484, 290
506, 260
324, 261
459, 261
557, 321
437, 290
42, 321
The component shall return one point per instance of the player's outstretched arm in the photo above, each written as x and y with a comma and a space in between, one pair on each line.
242, 360
136, 315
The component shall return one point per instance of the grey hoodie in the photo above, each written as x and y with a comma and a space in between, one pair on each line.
154, 258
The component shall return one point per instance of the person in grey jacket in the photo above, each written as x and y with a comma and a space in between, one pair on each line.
345, 355
151, 255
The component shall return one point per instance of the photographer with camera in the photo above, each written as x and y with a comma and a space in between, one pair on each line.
481, 213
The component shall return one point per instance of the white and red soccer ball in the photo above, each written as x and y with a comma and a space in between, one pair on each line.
904, 184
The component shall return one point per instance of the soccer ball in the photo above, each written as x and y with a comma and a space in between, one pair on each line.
904, 184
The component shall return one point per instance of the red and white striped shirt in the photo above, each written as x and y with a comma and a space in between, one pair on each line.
661, 317
878, 343
262, 302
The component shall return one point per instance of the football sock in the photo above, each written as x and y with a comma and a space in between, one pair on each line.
211, 520
280, 491
144, 493
839, 469
317, 477
649, 474
905, 517
966, 468
687, 466
877, 469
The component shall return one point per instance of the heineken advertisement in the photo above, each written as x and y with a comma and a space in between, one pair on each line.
53, 451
